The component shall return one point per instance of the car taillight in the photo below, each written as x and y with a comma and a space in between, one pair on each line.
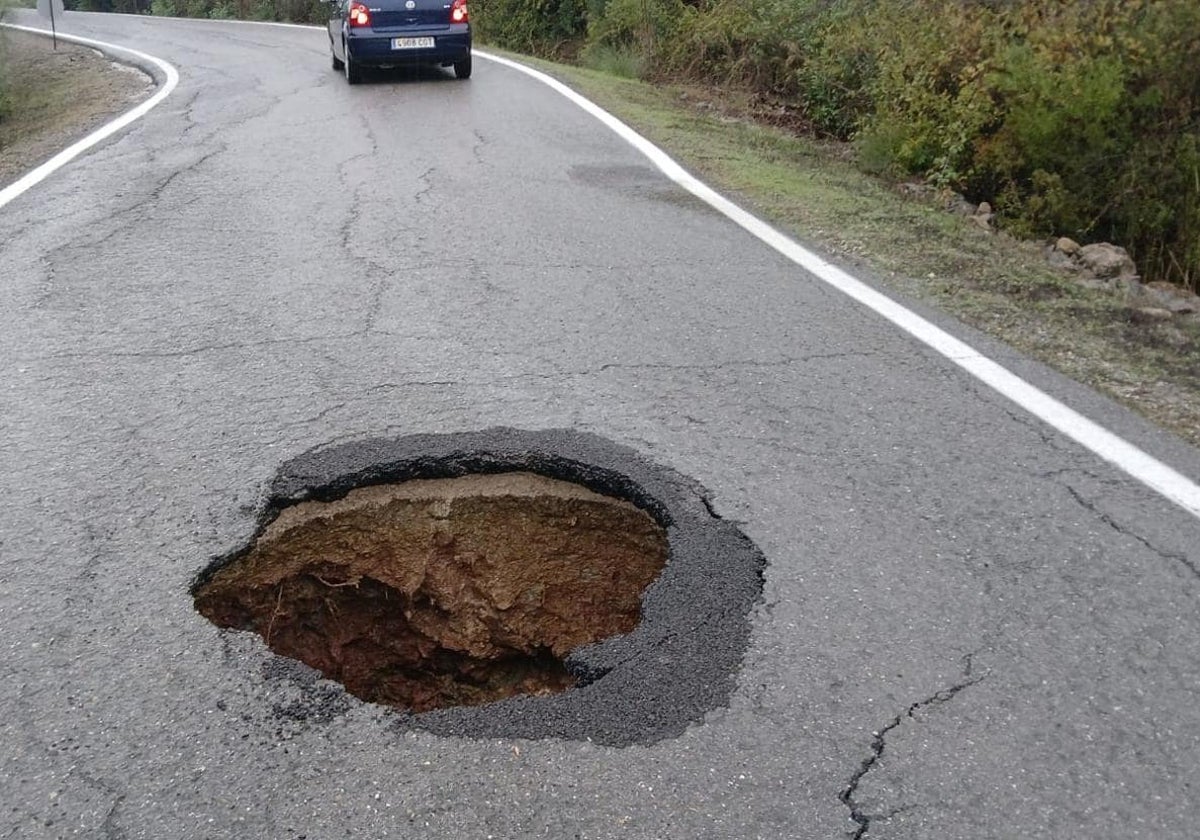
458, 13
359, 15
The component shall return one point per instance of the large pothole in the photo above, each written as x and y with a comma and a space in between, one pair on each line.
445, 592
439, 573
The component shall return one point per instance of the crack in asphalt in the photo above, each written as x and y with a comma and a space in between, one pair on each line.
561, 374
130, 218
1048, 436
189, 117
157, 192
477, 149
306, 421
378, 285
425, 178
1120, 529
968, 664
414, 383
1055, 475
378, 281
786, 361
343, 172
55, 755
879, 744
109, 828
206, 348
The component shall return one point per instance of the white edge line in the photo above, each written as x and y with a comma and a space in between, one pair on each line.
101, 134
1114, 449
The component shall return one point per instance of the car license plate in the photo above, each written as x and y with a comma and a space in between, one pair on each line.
412, 43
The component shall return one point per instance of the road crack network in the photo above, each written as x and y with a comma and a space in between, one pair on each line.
1120, 529
878, 744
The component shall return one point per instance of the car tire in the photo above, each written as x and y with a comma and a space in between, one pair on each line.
353, 74
462, 69
334, 60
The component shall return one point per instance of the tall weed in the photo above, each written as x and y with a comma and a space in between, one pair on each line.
541, 27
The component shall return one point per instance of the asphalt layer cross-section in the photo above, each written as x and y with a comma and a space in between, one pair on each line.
969, 626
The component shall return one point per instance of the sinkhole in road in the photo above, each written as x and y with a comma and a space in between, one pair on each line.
442, 592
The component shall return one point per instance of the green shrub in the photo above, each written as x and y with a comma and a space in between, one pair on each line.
1071, 118
1063, 128
628, 62
744, 42
626, 23
540, 27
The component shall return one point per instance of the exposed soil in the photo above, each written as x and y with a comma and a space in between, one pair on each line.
445, 592
57, 97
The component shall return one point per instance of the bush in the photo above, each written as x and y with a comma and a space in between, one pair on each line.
626, 62
1075, 117
540, 27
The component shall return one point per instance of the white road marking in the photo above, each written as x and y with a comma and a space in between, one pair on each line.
1117, 451
101, 134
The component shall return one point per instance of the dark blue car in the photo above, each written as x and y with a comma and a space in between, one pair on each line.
392, 33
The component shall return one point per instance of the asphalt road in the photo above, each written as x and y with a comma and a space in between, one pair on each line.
970, 627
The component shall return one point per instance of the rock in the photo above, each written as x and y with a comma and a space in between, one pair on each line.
1150, 315
1067, 246
917, 189
1175, 298
1105, 260
1090, 282
1131, 284
983, 216
1061, 261
955, 203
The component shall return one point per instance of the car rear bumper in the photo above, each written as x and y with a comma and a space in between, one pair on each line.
374, 48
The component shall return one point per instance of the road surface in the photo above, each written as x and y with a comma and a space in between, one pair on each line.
970, 626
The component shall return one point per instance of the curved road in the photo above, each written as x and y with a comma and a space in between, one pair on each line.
971, 627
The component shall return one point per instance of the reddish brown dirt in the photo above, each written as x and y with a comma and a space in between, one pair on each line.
442, 593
